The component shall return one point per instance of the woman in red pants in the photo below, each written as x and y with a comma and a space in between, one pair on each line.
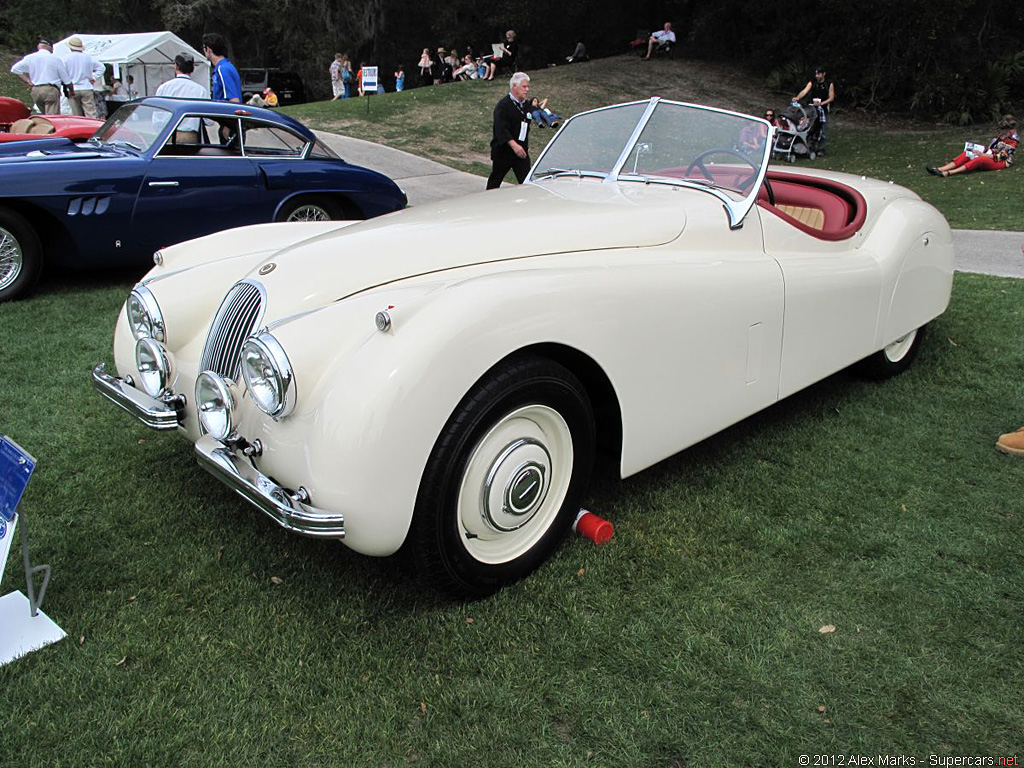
995, 157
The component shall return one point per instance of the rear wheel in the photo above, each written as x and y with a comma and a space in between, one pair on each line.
21, 256
894, 358
313, 208
504, 480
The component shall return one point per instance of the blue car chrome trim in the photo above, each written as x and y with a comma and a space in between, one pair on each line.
153, 412
284, 506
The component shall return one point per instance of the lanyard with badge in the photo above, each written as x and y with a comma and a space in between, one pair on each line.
525, 124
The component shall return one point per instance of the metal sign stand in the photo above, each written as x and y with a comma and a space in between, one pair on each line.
23, 626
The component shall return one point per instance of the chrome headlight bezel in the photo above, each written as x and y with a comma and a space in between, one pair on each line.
268, 375
155, 366
144, 316
216, 400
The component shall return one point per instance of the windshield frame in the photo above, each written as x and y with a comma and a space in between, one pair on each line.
131, 107
736, 210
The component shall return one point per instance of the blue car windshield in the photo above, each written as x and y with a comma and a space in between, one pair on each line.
136, 126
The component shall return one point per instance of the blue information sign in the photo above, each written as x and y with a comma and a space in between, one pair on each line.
16, 467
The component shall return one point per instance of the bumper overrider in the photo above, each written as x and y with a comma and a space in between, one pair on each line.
288, 509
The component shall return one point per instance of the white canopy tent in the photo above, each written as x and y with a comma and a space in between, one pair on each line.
148, 57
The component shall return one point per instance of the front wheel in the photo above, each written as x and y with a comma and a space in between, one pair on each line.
894, 358
315, 208
504, 480
21, 256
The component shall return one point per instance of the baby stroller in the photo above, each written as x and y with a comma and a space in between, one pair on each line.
798, 132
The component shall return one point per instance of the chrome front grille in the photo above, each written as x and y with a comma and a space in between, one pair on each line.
238, 316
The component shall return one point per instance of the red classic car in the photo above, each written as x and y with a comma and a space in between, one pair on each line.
16, 124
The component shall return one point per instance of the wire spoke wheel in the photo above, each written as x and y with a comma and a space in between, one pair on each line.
12, 258
21, 255
309, 212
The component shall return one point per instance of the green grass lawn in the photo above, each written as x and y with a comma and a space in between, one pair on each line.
692, 639
201, 633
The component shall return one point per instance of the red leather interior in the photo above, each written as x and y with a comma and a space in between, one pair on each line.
844, 207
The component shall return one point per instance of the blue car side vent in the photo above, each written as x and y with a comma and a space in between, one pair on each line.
87, 206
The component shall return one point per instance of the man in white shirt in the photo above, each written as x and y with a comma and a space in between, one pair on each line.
85, 71
184, 87
660, 38
44, 73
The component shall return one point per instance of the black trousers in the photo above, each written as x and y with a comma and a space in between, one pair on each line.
504, 162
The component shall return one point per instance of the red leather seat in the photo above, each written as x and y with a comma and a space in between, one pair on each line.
844, 208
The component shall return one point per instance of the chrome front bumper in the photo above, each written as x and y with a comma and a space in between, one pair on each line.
154, 413
284, 506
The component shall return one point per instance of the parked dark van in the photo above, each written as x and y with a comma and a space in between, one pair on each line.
287, 85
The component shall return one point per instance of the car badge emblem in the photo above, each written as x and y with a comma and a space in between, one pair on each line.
266, 269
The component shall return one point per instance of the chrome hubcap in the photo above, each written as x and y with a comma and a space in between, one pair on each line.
516, 485
898, 349
309, 212
515, 482
11, 258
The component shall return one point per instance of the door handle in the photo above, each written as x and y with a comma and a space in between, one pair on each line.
163, 183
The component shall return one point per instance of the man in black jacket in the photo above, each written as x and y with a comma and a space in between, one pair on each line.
510, 148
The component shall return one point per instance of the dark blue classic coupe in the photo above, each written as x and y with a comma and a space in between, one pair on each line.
161, 171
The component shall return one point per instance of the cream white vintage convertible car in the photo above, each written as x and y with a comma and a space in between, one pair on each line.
438, 380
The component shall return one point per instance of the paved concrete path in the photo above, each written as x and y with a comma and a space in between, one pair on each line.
424, 181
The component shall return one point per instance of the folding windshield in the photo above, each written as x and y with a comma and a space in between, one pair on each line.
724, 153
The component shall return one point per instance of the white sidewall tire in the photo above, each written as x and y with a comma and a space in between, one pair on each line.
526, 412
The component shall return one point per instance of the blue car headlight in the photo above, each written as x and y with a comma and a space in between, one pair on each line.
144, 316
268, 375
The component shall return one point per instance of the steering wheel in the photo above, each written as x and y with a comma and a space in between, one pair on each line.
698, 162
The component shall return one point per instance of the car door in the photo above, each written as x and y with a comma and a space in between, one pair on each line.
196, 187
833, 290
278, 154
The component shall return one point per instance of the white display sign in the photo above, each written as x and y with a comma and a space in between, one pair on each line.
369, 79
6, 538
23, 627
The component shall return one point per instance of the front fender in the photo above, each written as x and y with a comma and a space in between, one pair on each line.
368, 419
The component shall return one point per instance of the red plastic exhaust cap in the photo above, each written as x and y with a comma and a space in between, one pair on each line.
592, 527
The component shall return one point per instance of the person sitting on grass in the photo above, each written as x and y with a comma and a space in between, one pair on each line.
975, 157
543, 116
469, 69
268, 99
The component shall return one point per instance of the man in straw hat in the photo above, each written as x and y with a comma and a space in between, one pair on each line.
85, 72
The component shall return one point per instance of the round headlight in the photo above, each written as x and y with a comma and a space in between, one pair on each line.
154, 364
144, 316
215, 403
268, 375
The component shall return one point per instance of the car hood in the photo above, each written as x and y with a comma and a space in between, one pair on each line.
49, 149
531, 221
